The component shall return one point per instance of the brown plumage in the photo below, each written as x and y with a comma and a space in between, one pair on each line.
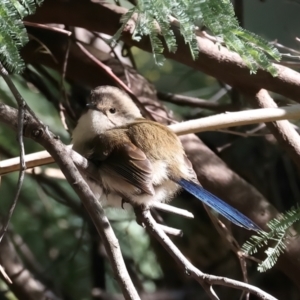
138, 159
131, 151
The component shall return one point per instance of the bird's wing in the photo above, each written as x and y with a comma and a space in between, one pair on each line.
118, 156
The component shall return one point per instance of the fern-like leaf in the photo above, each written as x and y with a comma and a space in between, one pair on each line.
13, 34
217, 15
273, 254
277, 234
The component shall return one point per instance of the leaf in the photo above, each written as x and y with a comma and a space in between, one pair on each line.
217, 15
13, 34
279, 231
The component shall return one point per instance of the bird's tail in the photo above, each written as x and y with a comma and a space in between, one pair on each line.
218, 205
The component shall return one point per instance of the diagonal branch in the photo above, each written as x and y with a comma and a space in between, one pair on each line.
62, 157
144, 217
283, 131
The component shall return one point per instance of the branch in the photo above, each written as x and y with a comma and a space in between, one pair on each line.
215, 122
32, 160
246, 117
47, 27
144, 217
193, 102
171, 209
24, 284
170, 230
214, 59
62, 157
283, 131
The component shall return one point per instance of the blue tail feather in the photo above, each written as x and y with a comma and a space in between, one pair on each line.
218, 205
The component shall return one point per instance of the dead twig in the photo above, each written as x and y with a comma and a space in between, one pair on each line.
22, 165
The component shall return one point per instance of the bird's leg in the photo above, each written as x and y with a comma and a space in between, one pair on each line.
124, 200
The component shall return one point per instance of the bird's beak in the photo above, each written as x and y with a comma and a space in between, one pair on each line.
95, 106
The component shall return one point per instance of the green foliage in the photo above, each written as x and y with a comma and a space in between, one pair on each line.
277, 234
154, 19
13, 34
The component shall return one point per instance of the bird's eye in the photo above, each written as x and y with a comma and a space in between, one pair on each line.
112, 110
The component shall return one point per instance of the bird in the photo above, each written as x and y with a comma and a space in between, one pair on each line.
139, 161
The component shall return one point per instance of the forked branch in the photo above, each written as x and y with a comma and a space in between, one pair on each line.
206, 280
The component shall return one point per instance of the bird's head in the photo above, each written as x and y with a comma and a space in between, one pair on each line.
113, 105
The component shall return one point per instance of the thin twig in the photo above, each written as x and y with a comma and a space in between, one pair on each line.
144, 217
44, 26
106, 41
22, 164
193, 102
62, 116
278, 45
171, 209
4, 275
13, 204
227, 235
63, 89
243, 264
43, 46
21, 102
243, 134
170, 230
119, 82
161, 116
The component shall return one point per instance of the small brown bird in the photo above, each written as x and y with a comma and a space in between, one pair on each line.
138, 160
